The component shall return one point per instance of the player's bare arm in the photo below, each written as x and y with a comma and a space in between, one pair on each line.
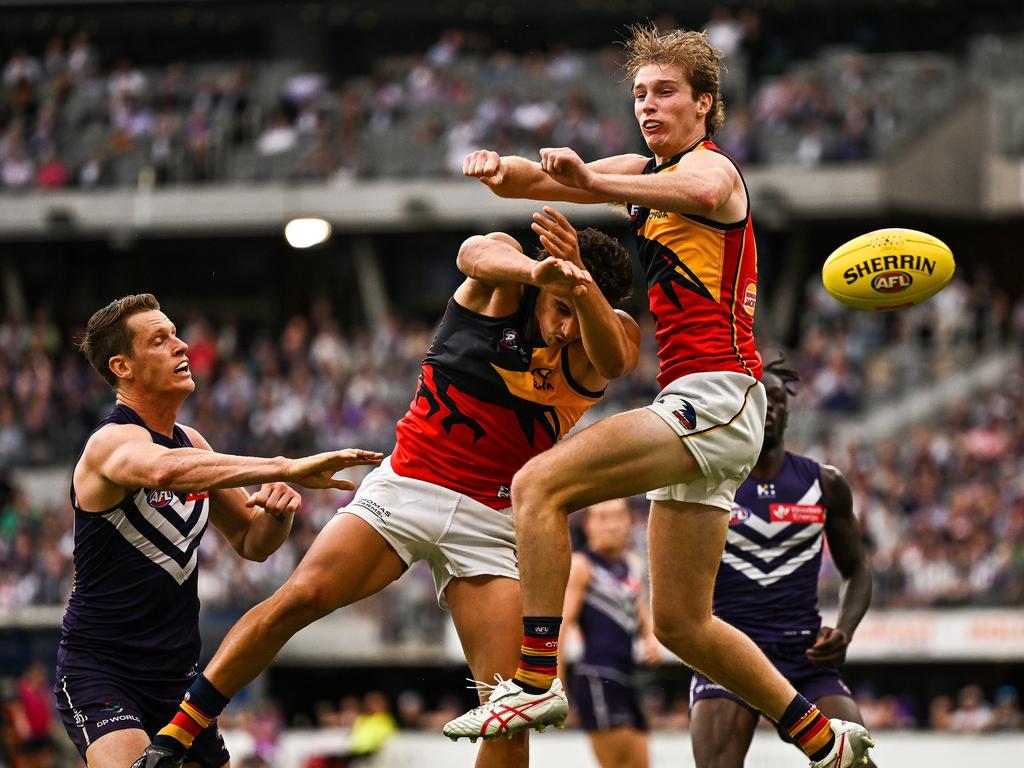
516, 177
254, 524
610, 337
575, 591
497, 268
844, 542
123, 456
704, 183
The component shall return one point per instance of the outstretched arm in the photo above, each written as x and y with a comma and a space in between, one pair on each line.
844, 542
124, 456
516, 177
254, 524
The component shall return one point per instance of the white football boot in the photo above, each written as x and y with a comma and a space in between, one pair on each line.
849, 751
510, 709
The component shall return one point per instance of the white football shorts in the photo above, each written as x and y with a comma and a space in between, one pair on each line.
456, 535
719, 416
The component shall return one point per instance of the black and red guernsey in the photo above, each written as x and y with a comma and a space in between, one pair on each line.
490, 397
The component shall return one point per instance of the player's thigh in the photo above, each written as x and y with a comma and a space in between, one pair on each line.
347, 562
721, 731
117, 749
622, 747
685, 544
487, 613
624, 455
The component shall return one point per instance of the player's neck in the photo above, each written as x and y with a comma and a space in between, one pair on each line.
770, 462
611, 553
693, 139
158, 414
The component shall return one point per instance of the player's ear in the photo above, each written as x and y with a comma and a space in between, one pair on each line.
121, 367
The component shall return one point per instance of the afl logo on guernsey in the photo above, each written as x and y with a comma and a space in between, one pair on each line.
158, 499
509, 339
738, 514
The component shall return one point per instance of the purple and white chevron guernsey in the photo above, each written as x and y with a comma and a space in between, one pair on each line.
767, 584
134, 609
608, 619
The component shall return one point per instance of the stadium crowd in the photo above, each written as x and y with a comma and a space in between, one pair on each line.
74, 116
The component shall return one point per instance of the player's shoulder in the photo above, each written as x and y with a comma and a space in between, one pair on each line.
195, 437
110, 436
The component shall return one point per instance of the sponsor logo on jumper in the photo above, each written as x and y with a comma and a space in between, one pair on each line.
198, 496
372, 506
903, 262
657, 215
796, 513
541, 378
766, 490
750, 297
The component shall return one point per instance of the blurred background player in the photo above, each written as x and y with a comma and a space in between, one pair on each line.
690, 449
605, 599
767, 585
144, 490
525, 347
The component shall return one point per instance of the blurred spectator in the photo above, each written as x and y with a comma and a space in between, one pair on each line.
972, 714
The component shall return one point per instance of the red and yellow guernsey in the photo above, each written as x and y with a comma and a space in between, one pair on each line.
701, 284
489, 399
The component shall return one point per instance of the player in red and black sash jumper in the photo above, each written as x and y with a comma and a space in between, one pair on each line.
144, 491
525, 347
767, 585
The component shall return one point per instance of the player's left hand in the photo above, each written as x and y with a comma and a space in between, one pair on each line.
566, 167
557, 236
277, 499
829, 650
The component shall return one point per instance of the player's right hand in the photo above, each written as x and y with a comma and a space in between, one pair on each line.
318, 471
485, 165
561, 277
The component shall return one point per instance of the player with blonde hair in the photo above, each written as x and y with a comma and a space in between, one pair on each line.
691, 448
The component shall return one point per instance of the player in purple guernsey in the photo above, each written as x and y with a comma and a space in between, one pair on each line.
767, 585
144, 491
604, 599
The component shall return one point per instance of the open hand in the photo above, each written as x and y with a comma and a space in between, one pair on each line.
318, 471
484, 165
829, 650
566, 167
557, 236
277, 499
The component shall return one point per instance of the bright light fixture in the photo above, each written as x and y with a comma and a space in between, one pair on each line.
305, 233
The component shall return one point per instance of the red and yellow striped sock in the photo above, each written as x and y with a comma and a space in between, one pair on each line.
188, 723
808, 728
538, 657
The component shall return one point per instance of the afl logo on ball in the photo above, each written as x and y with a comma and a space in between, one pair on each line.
891, 282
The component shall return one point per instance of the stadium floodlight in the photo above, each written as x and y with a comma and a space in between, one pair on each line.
305, 233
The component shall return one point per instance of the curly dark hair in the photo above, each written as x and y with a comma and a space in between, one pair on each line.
607, 261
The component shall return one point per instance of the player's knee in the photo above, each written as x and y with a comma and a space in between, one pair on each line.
302, 601
677, 630
534, 488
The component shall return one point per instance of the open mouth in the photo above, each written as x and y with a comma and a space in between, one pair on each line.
181, 367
